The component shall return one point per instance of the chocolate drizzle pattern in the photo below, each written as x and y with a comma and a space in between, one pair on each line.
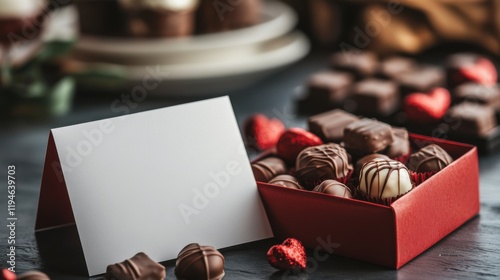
429, 159
334, 188
138, 267
328, 161
199, 262
268, 168
384, 179
286, 181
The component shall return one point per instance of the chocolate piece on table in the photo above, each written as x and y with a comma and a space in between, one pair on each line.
473, 119
329, 126
429, 159
420, 79
477, 93
384, 179
333, 187
33, 275
368, 136
196, 262
216, 16
268, 168
139, 267
329, 87
393, 66
101, 18
375, 97
360, 64
401, 144
469, 67
318, 163
366, 159
286, 181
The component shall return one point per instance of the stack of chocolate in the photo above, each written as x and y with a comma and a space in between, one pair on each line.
464, 94
352, 157
166, 18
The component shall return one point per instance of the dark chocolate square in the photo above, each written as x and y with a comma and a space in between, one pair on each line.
375, 97
368, 136
360, 64
393, 66
477, 93
472, 119
421, 79
330, 126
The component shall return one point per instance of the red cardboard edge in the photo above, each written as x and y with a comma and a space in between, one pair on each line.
433, 209
386, 235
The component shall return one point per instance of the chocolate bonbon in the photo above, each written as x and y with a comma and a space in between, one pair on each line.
329, 87
333, 187
477, 93
384, 179
268, 168
401, 144
366, 159
472, 119
196, 262
421, 79
391, 67
368, 136
286, 181
360, 64
139, 267
430, 158
375, 97
329, 126
315, 164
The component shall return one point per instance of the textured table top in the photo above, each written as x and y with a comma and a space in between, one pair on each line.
471, 252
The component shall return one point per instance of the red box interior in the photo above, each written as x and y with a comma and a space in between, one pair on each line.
385, 235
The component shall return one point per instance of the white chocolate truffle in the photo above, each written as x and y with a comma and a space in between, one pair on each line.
384, 179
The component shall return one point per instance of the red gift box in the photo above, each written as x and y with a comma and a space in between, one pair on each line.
385, 235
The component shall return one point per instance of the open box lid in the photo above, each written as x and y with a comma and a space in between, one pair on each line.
154, 182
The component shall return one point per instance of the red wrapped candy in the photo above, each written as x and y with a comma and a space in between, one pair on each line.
293, 141
290, 255
261, 132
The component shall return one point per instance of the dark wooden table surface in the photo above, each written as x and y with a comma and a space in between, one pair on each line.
471, 252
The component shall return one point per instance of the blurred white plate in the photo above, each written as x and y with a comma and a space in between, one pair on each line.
278, 19
210, 77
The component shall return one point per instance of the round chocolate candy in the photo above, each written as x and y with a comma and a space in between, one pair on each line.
429, 159
384, 179
334, 188
286, 181
368, 158
196, 262
319, 163
268, 168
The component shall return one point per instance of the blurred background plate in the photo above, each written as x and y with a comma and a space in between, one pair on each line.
203, 77
278, 19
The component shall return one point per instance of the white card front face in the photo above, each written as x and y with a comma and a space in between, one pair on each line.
159, 180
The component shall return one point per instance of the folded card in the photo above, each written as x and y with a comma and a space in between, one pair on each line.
153, 182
